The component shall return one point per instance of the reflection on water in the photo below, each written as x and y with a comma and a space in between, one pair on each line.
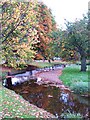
64, 97
51, 98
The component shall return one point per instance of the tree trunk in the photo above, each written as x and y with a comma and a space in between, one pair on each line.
83, 63
49, 61
6, 62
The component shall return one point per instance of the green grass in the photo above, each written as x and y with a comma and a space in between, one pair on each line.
71, 116
13, 105
81, 87
46, 64
41, 64
74, 78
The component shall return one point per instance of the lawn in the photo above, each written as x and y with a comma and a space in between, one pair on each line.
76, 80
46, 64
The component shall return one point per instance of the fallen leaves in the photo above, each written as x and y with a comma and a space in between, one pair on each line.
14, 106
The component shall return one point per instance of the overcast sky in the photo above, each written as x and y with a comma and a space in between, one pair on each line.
67, 9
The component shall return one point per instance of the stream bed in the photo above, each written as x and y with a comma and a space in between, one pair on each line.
53, 99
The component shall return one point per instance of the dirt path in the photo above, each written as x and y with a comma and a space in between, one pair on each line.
47, 77
52, 76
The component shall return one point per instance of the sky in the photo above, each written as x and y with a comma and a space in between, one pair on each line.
67, 9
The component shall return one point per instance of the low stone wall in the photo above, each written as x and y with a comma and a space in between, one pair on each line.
14, 79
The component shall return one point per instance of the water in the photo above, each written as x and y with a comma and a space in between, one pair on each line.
52, 99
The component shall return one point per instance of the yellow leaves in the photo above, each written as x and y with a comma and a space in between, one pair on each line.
63, 49
18, 45
19, 27
63, 45
29, 14
17, 11
25, 20
35, 31
17, 40
72, 53
44, 28
23, 46
28, 32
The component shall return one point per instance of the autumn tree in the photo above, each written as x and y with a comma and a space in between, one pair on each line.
18, 32
46, 24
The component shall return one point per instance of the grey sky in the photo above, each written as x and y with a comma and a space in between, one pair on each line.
67, 9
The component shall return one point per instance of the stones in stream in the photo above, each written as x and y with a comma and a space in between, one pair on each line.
51, 98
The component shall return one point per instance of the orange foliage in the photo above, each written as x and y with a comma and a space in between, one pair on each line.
45, 27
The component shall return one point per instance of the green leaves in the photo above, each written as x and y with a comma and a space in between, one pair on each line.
18, 33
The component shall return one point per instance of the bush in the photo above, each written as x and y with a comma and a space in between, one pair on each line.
80, 87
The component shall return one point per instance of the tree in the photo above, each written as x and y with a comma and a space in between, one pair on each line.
25, 32
77, 40
46, 24
72, 44
18, 32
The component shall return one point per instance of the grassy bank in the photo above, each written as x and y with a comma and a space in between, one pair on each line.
76, 80
13, 105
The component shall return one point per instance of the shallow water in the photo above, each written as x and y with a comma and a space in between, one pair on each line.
52, 99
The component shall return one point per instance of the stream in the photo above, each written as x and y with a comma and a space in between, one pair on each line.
52, 98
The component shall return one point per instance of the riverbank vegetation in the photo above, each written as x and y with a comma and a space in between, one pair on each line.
13, 105
75, 79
